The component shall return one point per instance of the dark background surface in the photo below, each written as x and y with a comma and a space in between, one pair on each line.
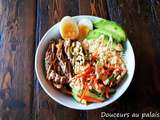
24, 22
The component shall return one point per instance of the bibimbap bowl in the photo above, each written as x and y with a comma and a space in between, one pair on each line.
53, 33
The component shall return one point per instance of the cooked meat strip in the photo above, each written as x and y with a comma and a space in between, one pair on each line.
70, 70
63, 61
67, 45
50, 55
58, 67
56, 78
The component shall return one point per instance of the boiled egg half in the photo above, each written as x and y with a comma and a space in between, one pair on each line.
68, 28
84, 25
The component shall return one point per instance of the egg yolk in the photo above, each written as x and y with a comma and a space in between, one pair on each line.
83, 31
69, 31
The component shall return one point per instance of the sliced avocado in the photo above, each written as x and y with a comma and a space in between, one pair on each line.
112, 28
94, 34
117, 38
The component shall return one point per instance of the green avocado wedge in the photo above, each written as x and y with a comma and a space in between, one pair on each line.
110, 28
94, 34
93, 95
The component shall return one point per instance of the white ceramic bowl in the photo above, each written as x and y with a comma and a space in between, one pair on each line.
65, 100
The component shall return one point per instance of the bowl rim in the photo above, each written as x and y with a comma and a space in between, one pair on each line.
105, 103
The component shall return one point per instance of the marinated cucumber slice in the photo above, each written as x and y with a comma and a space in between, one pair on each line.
75, 94
90, 94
